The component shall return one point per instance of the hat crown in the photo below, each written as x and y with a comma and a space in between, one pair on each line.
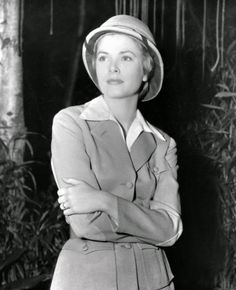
131, 23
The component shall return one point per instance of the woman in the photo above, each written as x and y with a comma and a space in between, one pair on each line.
116, 172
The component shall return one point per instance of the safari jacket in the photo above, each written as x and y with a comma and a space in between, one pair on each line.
126, 253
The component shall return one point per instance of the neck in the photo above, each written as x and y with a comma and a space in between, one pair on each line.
124, 110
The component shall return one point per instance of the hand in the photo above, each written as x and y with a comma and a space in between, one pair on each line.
78, 198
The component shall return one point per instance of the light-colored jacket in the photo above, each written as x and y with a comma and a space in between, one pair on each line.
127, 253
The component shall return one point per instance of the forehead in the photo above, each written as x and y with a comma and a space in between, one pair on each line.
118, 42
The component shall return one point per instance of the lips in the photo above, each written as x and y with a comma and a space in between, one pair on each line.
114, 81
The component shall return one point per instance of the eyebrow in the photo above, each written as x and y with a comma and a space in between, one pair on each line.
128, 51
121, 52
103, 52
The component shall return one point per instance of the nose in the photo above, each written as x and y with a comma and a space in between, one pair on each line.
114, 67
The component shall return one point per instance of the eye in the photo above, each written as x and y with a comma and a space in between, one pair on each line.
101, 58
126, 58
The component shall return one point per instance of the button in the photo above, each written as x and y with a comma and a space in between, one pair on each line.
129, 184
155, 170
85, 247
125, 245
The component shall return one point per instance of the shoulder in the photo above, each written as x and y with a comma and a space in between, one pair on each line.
70, 116
163, 138
68, 120
72, 112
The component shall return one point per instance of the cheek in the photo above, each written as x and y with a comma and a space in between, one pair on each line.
137, 74
100, 71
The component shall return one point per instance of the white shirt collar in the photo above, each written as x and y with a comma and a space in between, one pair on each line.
98, 110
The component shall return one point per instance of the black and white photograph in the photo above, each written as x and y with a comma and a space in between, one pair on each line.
117, 145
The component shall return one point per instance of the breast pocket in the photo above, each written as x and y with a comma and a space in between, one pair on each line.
159, 166
156, 266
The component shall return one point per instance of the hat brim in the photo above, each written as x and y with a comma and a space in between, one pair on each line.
155, 83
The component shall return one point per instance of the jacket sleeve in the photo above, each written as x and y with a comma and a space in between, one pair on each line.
70, 160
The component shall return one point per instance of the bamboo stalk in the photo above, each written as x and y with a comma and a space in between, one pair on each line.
135, 8
183, 22
21, 22
178, 13
117, 7
12, 124
138, 8
76, 60
154, 17
144, 12
51, 17
131, 7
124, 6
195, 19
217, 37
121, 5
162, 19
222, 32
204, 38
142, 9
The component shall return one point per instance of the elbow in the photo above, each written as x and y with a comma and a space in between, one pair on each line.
78, 231
79, 225
173, 233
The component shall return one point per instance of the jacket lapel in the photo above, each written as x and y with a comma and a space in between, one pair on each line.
108, 134
142, 149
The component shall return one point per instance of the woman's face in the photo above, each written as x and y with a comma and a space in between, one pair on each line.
119, 66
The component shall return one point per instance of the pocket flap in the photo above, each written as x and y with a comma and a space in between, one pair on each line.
147, 246
85, 247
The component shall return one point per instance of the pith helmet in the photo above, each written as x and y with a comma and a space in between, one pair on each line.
133, 27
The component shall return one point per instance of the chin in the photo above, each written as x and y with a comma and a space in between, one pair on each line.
114, 95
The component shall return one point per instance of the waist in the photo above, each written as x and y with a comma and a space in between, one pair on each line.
88, 246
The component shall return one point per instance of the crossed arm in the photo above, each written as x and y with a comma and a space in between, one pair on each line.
99, 215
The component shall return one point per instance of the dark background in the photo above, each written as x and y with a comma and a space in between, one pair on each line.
48, 68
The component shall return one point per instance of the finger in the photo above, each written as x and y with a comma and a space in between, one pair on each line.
66, 205
72, 181
68, 212
61, 199
61, 191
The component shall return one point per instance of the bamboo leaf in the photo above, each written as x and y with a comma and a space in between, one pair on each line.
26, 283
212, 107
14, 256
223, 86
231, 47
225, 94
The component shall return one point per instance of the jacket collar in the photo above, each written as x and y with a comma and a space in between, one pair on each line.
98, 110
